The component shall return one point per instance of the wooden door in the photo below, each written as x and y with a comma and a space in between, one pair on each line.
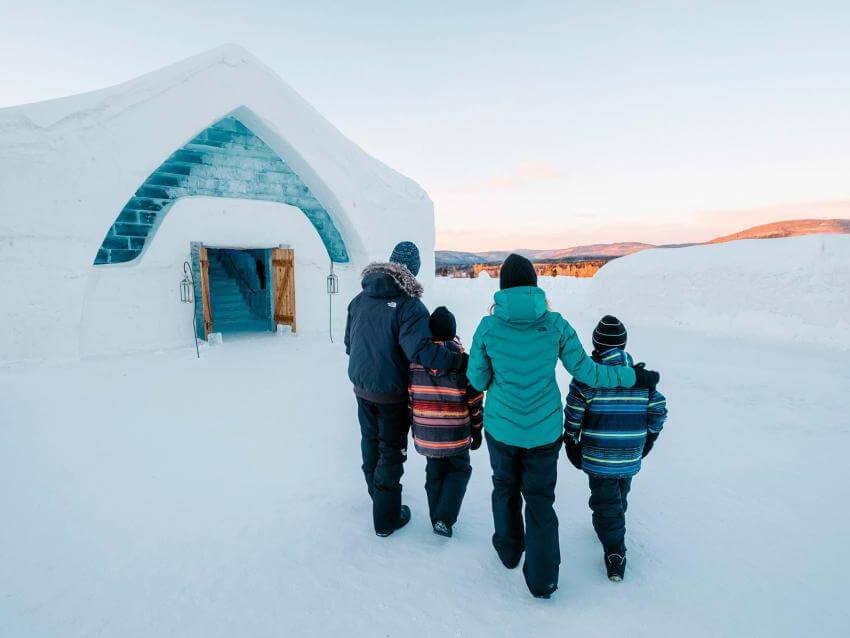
283, 269
205, 290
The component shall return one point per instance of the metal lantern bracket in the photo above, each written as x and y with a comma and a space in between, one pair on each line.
187, 295
333, 289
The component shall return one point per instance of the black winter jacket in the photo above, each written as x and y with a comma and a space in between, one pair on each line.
387, 328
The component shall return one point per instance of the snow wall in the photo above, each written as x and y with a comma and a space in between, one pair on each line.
128, 308
68, 166
790, 290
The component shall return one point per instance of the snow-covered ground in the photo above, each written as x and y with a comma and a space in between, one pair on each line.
159, 495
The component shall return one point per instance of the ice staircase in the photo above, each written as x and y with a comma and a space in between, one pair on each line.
231, 311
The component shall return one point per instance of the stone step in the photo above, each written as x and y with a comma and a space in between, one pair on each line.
241, 311
222, 280
229, 303
238, 319
231, 298
224, 285
230, 309
228, 299
241, 325
229, 319
230, 295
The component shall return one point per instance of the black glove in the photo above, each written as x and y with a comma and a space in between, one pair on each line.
650, 441
573, 452
645, 379
476, 439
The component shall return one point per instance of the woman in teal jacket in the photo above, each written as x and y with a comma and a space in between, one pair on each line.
514, 354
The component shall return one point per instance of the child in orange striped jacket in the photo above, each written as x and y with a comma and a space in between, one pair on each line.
446, 425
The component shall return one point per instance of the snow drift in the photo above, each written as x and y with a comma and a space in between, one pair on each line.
161, 495
795, 289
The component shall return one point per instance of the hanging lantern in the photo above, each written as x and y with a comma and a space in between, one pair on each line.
333, 282
333, 288
187, 288
187, 295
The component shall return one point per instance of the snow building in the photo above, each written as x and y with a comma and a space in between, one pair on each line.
214, 161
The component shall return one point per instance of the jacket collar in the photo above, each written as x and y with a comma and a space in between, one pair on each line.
379, 279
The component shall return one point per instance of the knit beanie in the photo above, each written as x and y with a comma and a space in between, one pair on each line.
517, 271
442, 324
407, 254
609, 333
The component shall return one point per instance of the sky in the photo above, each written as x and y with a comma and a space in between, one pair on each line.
531, 125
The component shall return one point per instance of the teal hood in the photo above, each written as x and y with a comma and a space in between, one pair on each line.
522, 304
513, 358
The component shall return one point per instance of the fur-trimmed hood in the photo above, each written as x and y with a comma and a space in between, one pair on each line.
399, 274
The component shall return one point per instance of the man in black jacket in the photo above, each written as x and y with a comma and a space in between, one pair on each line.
387, 328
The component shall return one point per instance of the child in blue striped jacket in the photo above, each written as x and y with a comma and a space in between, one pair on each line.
607, 432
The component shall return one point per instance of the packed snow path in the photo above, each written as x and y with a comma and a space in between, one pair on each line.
161, 496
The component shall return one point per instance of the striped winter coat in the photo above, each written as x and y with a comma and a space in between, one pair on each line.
444, 408
612, 424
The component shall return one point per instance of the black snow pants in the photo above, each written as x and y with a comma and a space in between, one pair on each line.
529, 474
608, 502
383, 445
446, 479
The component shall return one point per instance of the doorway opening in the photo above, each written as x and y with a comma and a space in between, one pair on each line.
244, 290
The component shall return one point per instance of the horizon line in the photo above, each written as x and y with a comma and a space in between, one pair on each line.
701, 226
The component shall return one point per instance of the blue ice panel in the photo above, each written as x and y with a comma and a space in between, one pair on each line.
225, 160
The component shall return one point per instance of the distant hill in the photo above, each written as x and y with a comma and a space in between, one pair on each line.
456, 258
791, 228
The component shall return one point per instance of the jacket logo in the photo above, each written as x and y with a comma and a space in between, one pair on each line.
392, 304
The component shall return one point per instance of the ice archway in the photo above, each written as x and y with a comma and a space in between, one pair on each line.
225, 160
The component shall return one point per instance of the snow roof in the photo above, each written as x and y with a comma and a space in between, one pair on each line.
110, 140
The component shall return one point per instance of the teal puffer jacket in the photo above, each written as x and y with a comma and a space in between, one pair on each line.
513, 357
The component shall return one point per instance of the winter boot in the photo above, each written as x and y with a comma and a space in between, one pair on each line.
545, 593
510, 562
615, 565
442, 529
403, 519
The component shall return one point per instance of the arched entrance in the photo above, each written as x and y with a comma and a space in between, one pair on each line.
225, 160
243, 289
